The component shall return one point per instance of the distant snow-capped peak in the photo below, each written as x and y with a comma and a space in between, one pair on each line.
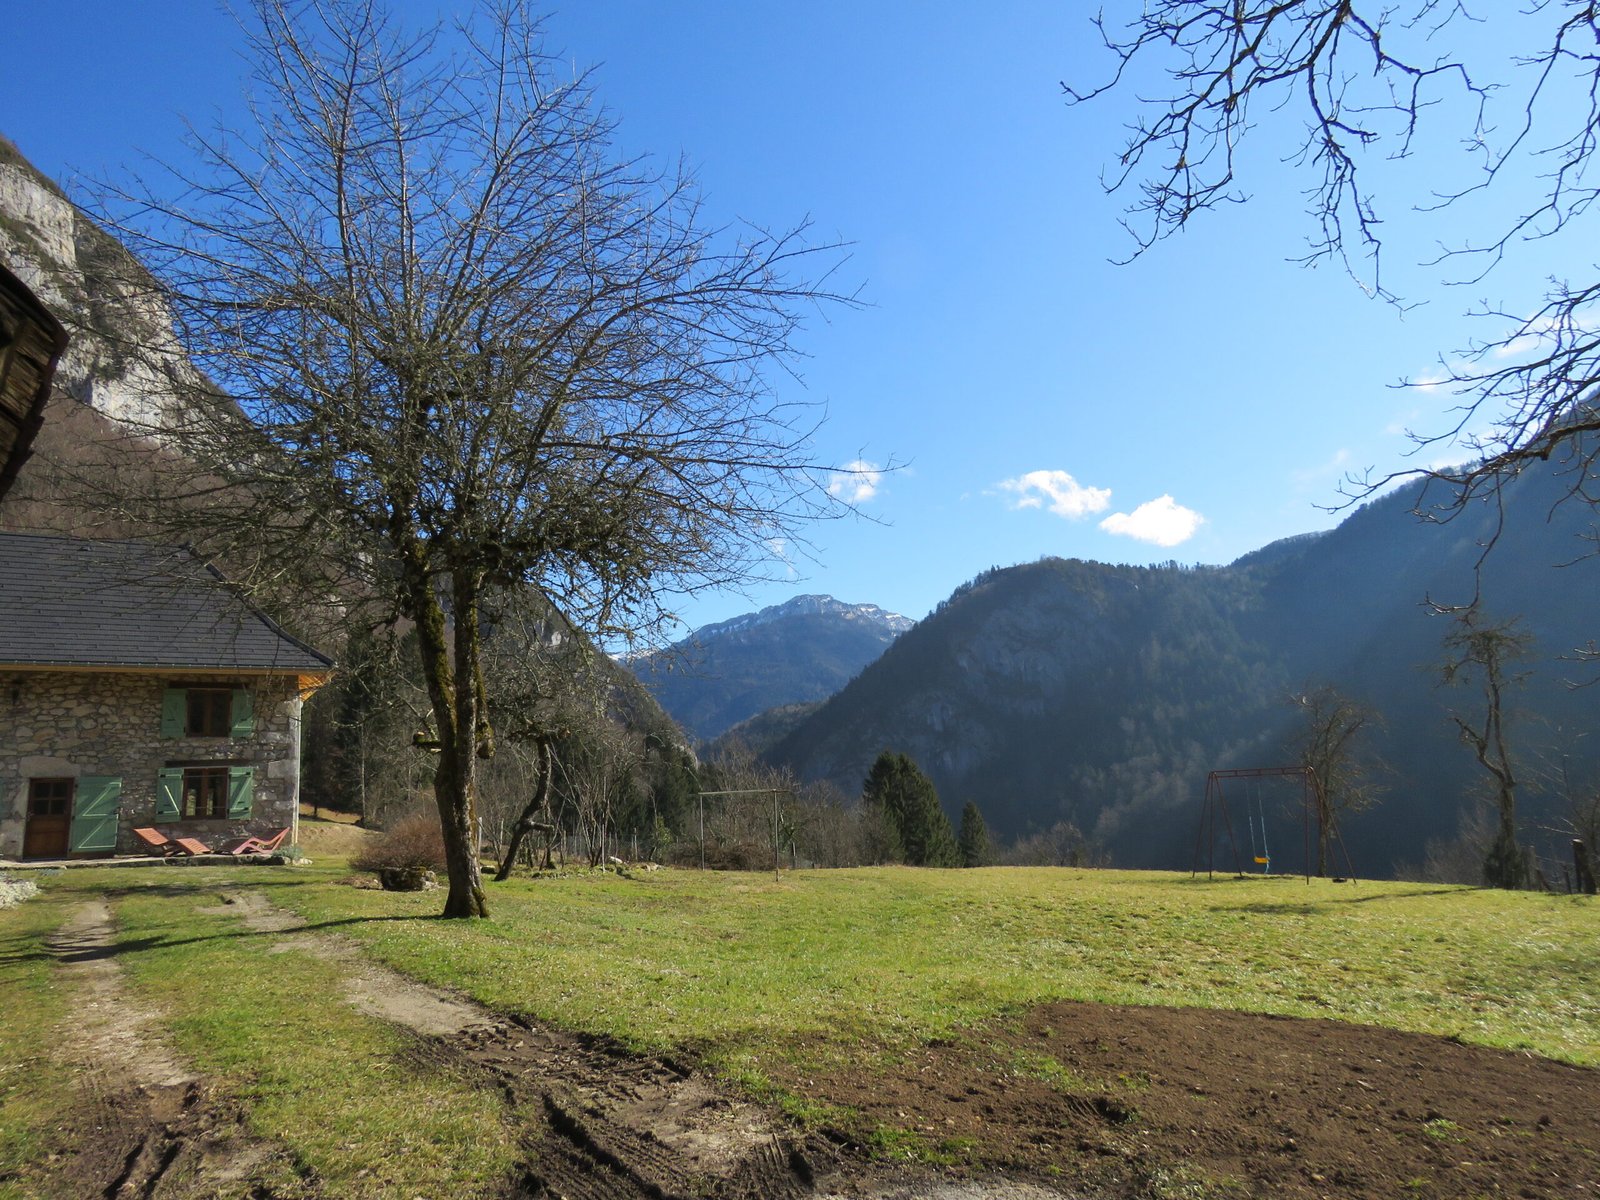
802, 606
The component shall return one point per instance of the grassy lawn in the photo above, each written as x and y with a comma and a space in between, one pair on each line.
860, 963
34, 1013
264, 1025
842, 968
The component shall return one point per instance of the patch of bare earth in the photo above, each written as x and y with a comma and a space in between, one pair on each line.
147, 1125
1138, 1101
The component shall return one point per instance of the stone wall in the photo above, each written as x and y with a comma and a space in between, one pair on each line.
75, 724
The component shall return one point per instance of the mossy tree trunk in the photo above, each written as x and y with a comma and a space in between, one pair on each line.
450, 664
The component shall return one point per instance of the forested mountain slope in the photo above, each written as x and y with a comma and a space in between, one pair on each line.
1069, 690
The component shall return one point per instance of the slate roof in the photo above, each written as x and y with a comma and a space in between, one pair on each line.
69, 602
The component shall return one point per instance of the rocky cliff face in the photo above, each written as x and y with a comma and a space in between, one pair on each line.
123, 358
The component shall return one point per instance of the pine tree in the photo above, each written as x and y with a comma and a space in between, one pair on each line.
975, 850
910, 807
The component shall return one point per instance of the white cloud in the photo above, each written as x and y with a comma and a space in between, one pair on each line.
1544, 333
1058, 491
779, 549
1163, 522
856, 481
1339, 464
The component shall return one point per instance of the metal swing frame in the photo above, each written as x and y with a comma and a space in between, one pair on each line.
1216, 809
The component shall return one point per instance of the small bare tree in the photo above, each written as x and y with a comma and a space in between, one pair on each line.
1484, 655
600, 777
453, 347
1328, 741
1577, 813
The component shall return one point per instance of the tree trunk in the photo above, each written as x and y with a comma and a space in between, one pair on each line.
1324, 830
469, 735
1580, 864
1506, 866
454, 702
525, 824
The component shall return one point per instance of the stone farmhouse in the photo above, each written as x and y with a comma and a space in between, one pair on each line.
137, 689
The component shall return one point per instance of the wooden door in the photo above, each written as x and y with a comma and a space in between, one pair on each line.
49, 818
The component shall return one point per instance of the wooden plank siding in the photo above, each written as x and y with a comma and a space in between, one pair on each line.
31, 342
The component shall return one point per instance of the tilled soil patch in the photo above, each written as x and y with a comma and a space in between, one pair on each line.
1131, 1101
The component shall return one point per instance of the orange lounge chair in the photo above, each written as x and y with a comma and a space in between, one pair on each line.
254, 845
157, 841
189, 847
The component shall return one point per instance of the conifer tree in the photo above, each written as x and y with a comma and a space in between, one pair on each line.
975, 850
910, 807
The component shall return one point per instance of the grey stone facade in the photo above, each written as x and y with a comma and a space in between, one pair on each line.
78, 724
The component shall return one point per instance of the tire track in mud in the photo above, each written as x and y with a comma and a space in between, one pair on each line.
600, 1122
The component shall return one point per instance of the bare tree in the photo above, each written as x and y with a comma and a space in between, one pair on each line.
453, 347
599, 771
1329, 743
1365, 84
1483, 654
1576, 818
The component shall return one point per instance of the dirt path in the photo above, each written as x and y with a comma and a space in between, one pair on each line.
600, 1122
147, 1122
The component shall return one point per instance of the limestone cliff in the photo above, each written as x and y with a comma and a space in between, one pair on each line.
123, 356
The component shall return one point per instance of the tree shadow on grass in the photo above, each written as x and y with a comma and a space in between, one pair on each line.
21, 949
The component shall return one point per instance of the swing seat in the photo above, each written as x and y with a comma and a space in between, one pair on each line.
1263, 862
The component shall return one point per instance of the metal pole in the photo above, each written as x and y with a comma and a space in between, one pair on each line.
1308, 792
702, 832
775, 850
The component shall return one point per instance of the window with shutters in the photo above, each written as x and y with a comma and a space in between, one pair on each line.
207, 710
205, 792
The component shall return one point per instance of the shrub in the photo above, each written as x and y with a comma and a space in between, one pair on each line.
414, 841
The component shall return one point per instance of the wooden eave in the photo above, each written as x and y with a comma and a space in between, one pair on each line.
31, 343
309, 681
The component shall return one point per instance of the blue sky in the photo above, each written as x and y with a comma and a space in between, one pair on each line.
1193, 405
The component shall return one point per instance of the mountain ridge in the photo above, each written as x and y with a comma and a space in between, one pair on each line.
797, 652
1065, 690
807, 605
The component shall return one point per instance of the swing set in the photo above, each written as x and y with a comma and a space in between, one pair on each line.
1216, 813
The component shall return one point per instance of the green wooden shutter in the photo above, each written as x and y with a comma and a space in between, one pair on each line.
241, 791
169, 794
174, 712
94, 813
242, 715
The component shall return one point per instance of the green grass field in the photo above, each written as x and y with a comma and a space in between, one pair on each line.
820, 968
740, 964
